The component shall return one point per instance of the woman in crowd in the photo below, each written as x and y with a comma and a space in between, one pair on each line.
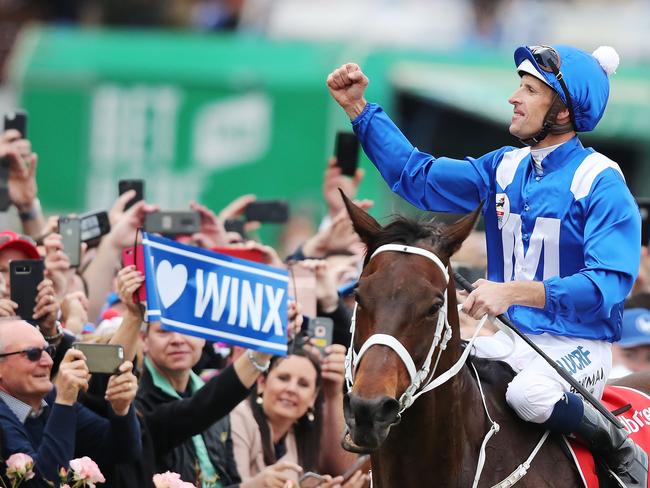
290, 423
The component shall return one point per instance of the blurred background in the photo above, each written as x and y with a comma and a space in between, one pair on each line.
209, 99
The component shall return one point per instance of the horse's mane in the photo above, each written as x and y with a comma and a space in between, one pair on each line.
403, 230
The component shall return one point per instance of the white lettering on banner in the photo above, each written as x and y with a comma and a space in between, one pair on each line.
546, 235
639, 420
244, 303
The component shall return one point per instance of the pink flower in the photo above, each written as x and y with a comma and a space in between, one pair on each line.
170, 480
86, 470
20, 466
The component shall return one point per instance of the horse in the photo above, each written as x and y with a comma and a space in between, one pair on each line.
402, 292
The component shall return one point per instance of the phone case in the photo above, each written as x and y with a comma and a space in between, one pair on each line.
321, 330
135, 255
94, 225
70, 230
173, 223
102, 358
17, 120
274, 211
138, 185
24, 277
347, 152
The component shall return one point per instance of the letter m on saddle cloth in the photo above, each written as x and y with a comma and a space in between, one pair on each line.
217, 297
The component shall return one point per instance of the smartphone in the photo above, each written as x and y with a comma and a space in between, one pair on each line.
70, 230
94, 225
347, 152
236, 225
321, 330
644, 210
274, 211
254, 255
135, 256
311, 480
101, 358
5, 202
24, 277
186, 222
17, 120
359, 464
125, 185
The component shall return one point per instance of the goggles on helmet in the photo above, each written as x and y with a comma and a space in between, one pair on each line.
548, 59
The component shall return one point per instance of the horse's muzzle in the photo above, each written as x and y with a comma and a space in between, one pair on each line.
368, 421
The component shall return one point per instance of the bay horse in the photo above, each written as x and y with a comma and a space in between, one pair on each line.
402, 292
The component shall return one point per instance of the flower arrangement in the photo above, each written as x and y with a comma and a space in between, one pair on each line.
83, 472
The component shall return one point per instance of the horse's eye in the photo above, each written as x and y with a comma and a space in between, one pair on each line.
435, 308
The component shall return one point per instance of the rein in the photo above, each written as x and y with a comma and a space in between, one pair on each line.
443, 333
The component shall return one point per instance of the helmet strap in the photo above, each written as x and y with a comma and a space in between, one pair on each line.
549, 126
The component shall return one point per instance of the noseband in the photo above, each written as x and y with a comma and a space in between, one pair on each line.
419, 383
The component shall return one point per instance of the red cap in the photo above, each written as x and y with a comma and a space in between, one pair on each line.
10, 240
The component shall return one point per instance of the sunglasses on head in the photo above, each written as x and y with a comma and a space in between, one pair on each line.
548, 59
33, 353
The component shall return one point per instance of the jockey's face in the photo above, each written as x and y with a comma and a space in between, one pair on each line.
530, 103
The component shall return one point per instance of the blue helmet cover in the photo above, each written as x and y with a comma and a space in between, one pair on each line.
586, 80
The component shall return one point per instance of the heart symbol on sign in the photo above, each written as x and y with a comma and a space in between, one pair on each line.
170, 282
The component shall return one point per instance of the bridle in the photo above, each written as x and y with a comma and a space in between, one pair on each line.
422, 380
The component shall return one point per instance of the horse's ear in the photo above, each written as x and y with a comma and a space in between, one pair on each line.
454, 235
364, 225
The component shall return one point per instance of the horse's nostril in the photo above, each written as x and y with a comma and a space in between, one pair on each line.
361, 411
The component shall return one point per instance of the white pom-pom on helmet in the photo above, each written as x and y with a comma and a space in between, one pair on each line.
608, 59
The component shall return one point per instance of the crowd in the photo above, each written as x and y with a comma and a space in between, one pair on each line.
214, 414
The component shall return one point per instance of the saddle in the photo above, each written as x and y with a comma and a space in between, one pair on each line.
630, 406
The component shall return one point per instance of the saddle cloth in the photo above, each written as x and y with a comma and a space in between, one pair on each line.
636, 421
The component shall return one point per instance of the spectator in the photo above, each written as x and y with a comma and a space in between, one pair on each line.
183, 421
48, 423
15, 247
632, 352
293, 419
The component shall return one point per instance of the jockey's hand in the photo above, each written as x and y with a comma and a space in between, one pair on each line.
489, 298
494, 298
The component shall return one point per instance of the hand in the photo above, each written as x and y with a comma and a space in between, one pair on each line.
47, 307
331, 482
277, 475
121, 389
236, 209
117, 210
22, 169
338, 238
73, 376
129, 280
333, 370
327, 294
270, 255
489, 298
7, 307
122, 234
358, 480
74, 308
57, 263
347, 86
212, 232
333, 180
294, 319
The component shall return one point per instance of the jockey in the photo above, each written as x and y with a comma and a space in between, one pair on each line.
562, 231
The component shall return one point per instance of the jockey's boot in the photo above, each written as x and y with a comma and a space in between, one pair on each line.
624, 457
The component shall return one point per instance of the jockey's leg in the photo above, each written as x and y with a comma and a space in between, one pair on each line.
538, 394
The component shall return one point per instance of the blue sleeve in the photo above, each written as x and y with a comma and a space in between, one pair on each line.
108, 441
438, 184
57, 444
612, 251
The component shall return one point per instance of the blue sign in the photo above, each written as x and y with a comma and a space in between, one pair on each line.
214, 296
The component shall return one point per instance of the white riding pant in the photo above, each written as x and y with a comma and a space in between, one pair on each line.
537, 387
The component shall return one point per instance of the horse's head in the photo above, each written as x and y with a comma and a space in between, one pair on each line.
400, 296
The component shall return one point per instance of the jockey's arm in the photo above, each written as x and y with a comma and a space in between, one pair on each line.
492, 298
